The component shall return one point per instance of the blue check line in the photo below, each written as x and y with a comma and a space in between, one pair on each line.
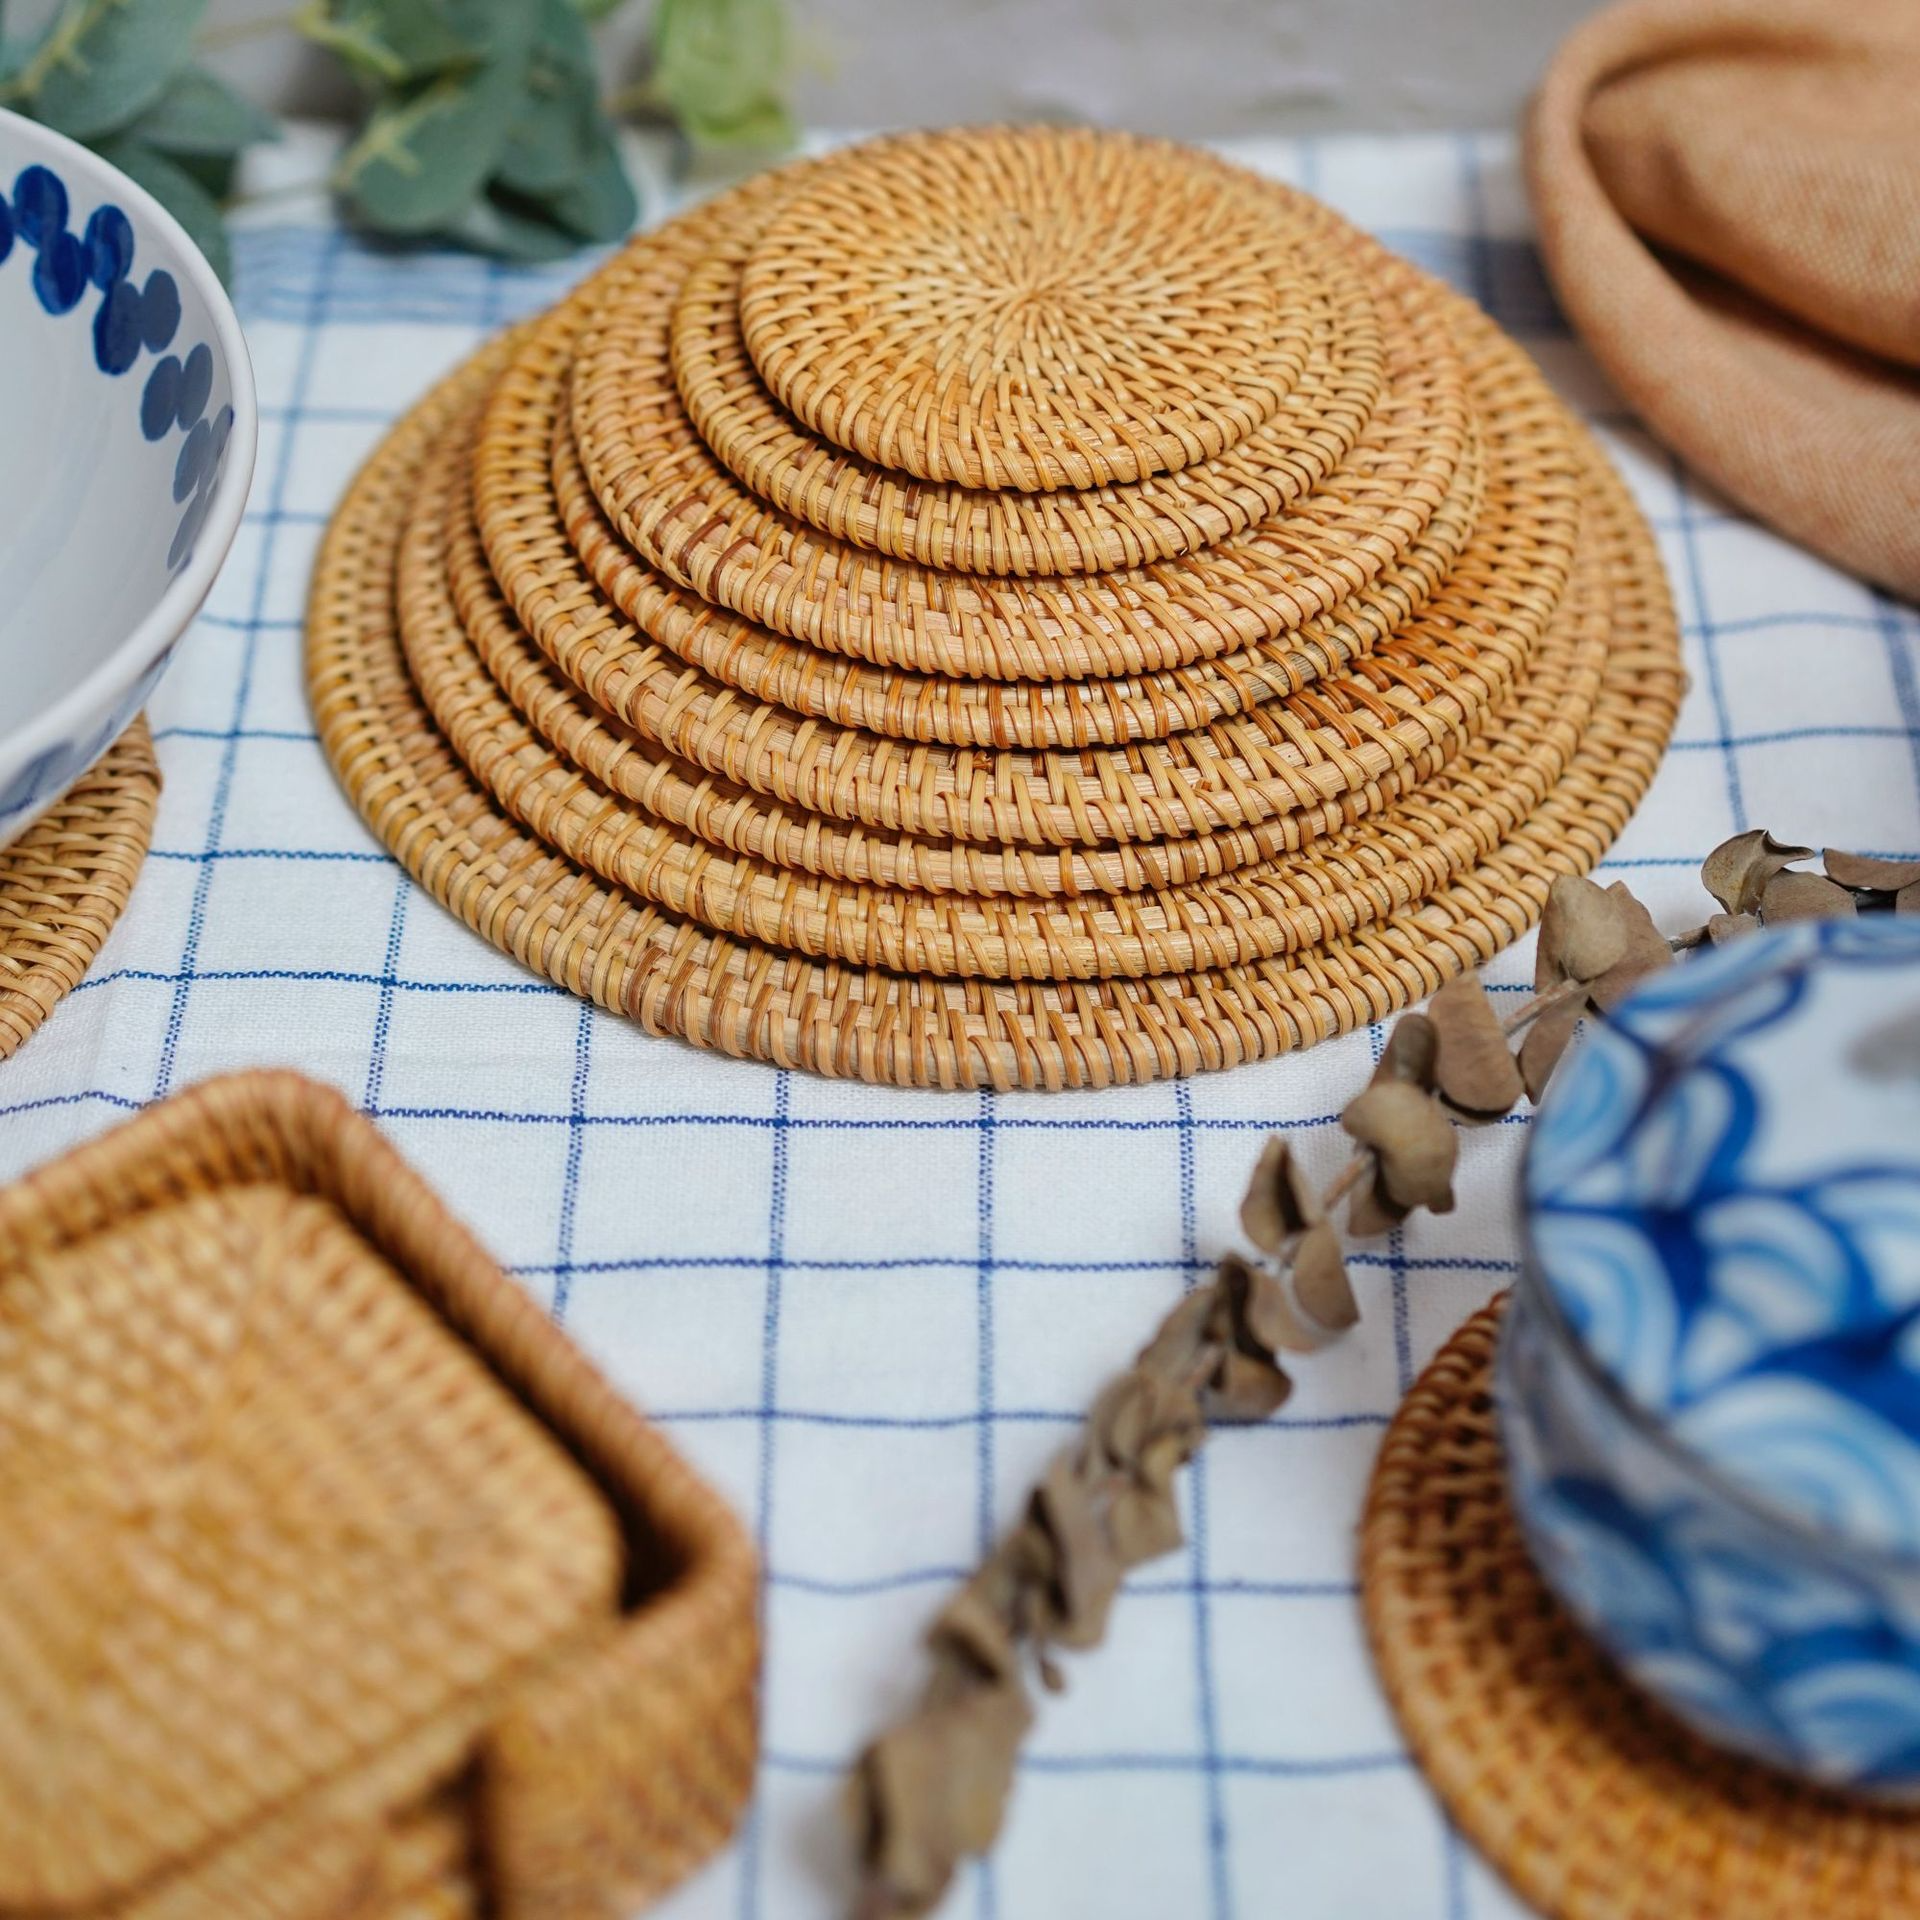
1002, 1416
825, 1587
1330, 1767
237, 733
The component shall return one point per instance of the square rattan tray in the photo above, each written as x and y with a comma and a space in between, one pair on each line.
333, 1580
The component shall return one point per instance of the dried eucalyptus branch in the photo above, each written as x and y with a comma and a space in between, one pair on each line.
933, 1789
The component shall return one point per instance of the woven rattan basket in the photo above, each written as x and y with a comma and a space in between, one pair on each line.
336, 1582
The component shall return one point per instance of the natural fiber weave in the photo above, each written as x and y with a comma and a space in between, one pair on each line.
1072, 529
1280, 756
682, 511
758, 1001
337, 1580
65, 880
1336, 883
1027, 307
1579, 1788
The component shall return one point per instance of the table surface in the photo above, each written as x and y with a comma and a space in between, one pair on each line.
871, 1316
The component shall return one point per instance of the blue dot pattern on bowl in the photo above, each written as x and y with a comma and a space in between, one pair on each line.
132, 317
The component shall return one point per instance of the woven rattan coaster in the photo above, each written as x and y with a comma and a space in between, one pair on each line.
1071, 529
64, 882
1584, 1794
1333, 884
684, 512
1026, 307
757, 1001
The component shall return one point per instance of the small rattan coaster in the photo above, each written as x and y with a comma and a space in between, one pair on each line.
675, 503
64, 882
1071, 529
1331, 885
1028, 307
765, 1003
1580, 1790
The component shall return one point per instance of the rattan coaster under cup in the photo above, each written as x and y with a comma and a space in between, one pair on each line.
1575, 1785
65, 881
1028, 307
682, 511
1071, 529
745, 999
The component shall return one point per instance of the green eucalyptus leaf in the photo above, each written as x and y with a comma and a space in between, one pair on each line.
105, 62
200, 114
596, 9
718, 63
179, 192
514, 230
555, 134
766, 123
391, 42
425, 154
601, 205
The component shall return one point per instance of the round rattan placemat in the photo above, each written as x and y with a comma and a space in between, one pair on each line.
1580, 1790
64, 882
1332, 884
1071, 529
1026, 307
749, 1000
683, 511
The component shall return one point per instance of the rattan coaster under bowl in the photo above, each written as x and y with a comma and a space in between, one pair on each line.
683, 511
672, 976
64, 882
1591, 1801
1070, 529
1026, 307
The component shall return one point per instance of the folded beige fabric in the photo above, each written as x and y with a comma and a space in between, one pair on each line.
1728, 194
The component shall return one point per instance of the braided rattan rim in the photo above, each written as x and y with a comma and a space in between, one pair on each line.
65, 881
1579, 1789
680, 509
1070, 530
1244, 769
1026, 307
756, 1002
1497, 773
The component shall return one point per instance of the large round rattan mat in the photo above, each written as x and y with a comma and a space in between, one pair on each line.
1333, 884
1584, 1793
684, 512
64, 881
1280, 756
744, 999
1071, 529
1026, 307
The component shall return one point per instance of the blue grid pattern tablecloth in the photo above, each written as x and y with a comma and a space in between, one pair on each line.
870, 1316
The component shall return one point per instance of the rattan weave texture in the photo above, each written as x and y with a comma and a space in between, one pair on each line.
652, 642
338, 1582
1578, 1788
64, 882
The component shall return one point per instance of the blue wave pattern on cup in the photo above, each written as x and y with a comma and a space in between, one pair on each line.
132, 317
1710, 1377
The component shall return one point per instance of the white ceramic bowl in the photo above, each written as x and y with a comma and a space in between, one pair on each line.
126, 449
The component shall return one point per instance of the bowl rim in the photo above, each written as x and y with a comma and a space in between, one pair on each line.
1797, 947
170, 615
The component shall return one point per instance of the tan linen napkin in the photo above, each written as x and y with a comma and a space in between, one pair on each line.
1728, 196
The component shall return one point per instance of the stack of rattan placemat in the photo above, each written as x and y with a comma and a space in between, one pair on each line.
1011, 607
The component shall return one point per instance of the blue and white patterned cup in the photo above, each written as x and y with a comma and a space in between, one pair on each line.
1709, 1377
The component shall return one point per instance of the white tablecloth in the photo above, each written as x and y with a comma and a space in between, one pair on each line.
869, 1315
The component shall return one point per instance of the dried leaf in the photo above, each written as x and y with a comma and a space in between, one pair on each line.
1144, 1523
1279, 1201
977, 1624
1907, 900
1804, 896
1410, 1053
1370, 1212
1245, 1387
1174, 1350
1146, 1424
1412, 1140
1546, 1041
1320, 1280
1581, 934
1878, 876
1646, 951
1730, 926
1736, 872
932, 1791
1474, 1068
1086, 1572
